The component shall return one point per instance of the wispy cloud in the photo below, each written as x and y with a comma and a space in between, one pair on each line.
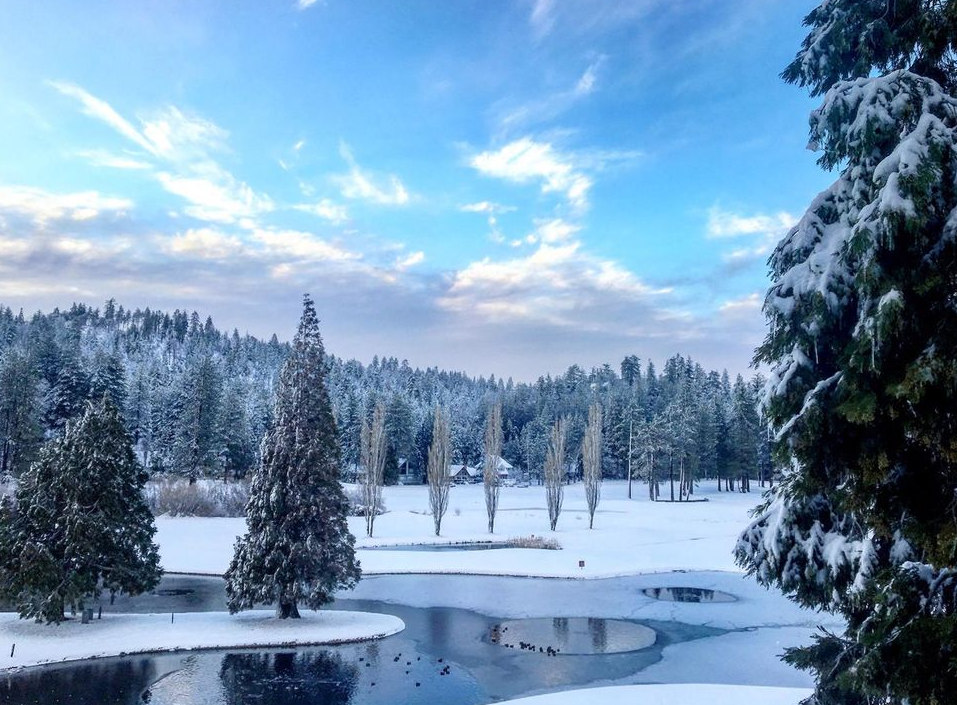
179, 150
41, 207
526, 161
99, 157
755, 234
723, 223
486, 207
360, 184
103, 111
513, 115
542, 17
327, 209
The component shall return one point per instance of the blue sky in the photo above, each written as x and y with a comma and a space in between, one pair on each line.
497, 186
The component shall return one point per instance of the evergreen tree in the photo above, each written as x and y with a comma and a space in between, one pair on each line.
109, 379
80, 524
298, 548
196, 443
863, 352
238, 452
68, 396
20, 431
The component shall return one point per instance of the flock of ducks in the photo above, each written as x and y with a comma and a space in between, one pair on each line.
496, 637
498, 634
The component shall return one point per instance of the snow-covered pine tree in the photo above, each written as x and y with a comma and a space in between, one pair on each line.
196, 443
298, 548
80, 524
20, 431
109, 379
863, 352
68, 395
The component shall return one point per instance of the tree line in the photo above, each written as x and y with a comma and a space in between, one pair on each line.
197, 401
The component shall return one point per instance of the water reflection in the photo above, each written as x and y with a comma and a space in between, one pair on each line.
576, 635
288, 677
117, 681
688, 594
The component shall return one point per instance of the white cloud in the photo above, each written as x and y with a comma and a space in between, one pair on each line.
542, 16
361, 185
525, 160
557, 284
215, 195
760, 232
553, 230
486, 207
410, 260
326, 209
304, 4
178, 137
301, 245
746, 304
180, 146
203, 243
101, 110
722, 223
98, 157
41, 206
13, 247
586, 83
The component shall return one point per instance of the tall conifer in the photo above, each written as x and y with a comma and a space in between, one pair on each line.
298, 548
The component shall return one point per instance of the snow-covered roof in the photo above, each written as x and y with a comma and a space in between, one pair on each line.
456, 469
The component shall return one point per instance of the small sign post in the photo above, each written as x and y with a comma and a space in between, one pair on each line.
581, 564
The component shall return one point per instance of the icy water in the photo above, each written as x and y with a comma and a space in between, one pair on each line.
688, 594
557, 636
444, 656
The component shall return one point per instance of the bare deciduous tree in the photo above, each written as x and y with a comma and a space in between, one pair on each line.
493, 454
591, 462
440, 481
373, 461
555, 471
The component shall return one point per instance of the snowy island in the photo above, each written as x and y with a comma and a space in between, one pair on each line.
122, 634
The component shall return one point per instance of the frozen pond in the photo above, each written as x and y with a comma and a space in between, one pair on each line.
443, 656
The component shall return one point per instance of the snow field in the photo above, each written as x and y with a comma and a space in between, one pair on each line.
698, 694
630, 536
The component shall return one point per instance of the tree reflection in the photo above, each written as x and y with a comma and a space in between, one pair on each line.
288, 678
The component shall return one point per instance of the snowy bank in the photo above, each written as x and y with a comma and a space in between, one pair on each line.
693, 694
120, 634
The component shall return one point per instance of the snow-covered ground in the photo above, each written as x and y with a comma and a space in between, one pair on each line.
630, 536
642, 544
697, 694
137, 633
636, 544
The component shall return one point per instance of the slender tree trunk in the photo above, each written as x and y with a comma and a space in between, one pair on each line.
671, 474
630, 429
